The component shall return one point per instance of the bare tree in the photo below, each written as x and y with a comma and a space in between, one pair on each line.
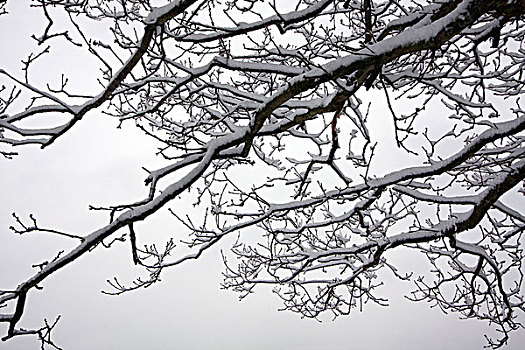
282, 87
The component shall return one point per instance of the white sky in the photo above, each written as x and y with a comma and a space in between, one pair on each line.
98, 164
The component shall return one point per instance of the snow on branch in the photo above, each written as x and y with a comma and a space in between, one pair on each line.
323, 135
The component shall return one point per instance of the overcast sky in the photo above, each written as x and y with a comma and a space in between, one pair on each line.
98, 164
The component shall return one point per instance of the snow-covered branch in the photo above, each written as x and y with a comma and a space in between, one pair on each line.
336, 130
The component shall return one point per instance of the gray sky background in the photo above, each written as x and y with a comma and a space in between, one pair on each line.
98, 164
